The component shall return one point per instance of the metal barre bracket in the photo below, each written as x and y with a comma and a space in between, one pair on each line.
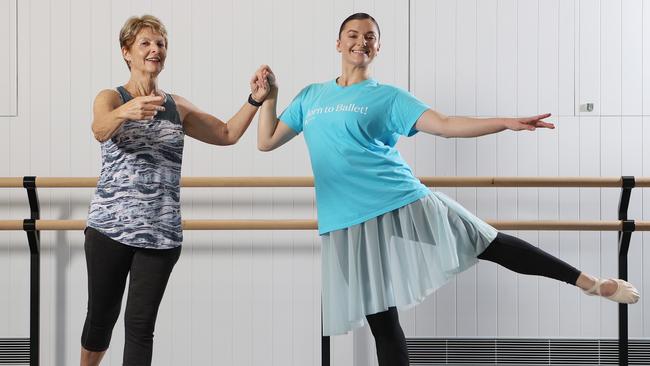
34, 240
624, 236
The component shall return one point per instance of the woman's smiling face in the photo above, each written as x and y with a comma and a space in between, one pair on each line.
147, 53
358, 42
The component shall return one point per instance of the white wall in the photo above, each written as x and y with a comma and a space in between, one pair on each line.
238, 298
8, 79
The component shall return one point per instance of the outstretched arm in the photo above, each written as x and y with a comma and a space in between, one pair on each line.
210, 129
438, 124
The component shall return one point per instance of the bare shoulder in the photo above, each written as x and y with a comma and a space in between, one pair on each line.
108, 97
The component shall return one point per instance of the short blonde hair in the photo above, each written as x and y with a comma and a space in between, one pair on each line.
134, 25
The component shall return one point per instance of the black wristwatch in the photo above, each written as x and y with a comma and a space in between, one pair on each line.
253, 101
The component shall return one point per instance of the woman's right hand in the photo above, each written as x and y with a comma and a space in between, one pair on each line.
142, 108
265, 75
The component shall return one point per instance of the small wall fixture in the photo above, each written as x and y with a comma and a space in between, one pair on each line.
587, 107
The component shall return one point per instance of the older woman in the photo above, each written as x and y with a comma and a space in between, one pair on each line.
387, 240
134, 223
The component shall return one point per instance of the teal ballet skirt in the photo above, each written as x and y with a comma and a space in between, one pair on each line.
397, 259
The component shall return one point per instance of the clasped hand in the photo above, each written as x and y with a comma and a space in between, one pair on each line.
262, 82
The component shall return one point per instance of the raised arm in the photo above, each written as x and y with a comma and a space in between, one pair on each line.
210, 129
271, 133
109, 113
438, 124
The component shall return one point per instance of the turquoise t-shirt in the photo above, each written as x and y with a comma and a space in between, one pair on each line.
351, 134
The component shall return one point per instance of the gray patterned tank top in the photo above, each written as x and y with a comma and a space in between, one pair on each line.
137, 200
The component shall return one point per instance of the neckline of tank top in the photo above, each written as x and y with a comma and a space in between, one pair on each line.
164, 94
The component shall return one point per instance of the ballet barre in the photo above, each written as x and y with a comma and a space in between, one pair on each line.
272, 182
541, 225
34, 225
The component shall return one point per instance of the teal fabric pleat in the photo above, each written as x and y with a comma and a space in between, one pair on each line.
397, 259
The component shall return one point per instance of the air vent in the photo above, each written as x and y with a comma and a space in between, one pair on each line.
523, 351
14, 351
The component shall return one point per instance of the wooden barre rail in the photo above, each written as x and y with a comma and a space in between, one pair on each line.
312, 225
80, 182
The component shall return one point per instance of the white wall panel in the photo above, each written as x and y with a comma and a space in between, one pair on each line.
445, 56
8, 60
507, 294
506, 158
88, 70
506, 57
632, 57
569, 165
57, 255
466, 38
243, 203
466, 153
548, 165
645, 58
566, 41
139, 7
120, 11
588, 56
548, 24
486, 159
487, 284
610, 165
590, 248
527, 56
610, 55
486, 52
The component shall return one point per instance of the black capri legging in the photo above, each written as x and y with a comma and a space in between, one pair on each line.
522, 257
109, 262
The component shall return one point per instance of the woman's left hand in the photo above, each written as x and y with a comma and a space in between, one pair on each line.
259, 84
528, 123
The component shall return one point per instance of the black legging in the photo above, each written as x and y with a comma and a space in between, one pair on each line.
506, 250
109, 262
389, 338
522, 257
